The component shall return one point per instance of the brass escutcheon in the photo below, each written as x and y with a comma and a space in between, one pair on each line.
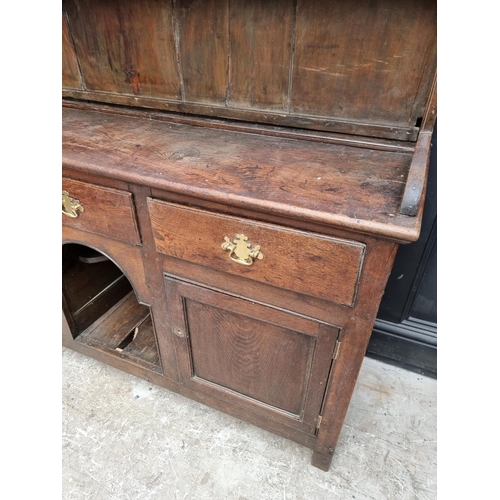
240, 251
70, 205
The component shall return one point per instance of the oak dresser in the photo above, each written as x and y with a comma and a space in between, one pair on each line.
237, 177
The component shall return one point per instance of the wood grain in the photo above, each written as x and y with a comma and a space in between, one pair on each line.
121, 320
258, 360
83, 282
345, 187
370, 61
430, 112
260, 47
417, 176
366, 68
155, 284
255, 341
262, 326
70, 72
255, 291
270, 117
144, 345
332, 265
355, 335
203, 49
126, 47
127, 257
106, 211
252, 128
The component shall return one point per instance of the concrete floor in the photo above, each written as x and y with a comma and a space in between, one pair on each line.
124, 439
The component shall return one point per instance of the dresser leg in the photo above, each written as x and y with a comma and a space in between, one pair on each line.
322, 460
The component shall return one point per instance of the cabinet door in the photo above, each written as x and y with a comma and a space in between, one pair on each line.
270, 362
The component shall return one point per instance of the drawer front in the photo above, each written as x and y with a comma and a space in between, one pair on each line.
306, 263
100, 210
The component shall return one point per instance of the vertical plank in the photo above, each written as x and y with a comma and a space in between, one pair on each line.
260, 45
126, 46
203, 45
366, 61
70, 73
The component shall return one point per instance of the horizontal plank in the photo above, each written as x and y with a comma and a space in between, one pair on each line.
305, 121
253, 128
347, 187
112, 328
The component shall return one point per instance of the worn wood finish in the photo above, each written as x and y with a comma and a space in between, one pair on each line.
270, 117
126, 46
260, 50
144, 345
125, 330
90, 290
127, 257
347, 187
430, 112
82, 282
117, 323
203, 33
355, 336
417, 176
325, 169
179, 230
287, 63
304, 225
244, 355
256, 357
154, 281
363, 60
260, 293
253, 128
71, 76
78, 175
106, 211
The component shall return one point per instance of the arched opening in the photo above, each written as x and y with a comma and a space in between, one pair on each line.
102, 309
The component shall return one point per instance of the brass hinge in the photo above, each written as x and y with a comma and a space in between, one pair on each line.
318, 423
336, 350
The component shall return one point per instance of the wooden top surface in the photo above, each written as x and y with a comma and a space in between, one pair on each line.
347, 187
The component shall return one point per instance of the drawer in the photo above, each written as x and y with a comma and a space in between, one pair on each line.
101, 210
307, 263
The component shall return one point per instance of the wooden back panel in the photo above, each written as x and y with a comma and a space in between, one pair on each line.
361, 66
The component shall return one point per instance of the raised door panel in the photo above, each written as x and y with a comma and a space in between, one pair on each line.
271, 362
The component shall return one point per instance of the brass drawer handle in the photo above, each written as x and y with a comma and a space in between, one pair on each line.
70, 205
240, 251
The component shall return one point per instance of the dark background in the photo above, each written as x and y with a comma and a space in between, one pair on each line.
405, 332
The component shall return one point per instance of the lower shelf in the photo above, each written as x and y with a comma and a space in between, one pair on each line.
126, 330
